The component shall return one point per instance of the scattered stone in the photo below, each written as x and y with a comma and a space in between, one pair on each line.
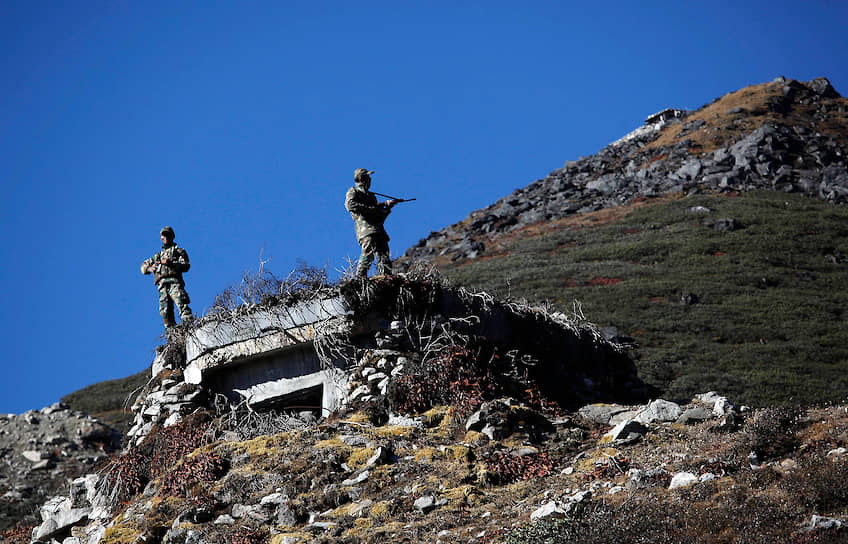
659, 410
550, 510
361, 477
695, 414
628, 430
601, 413
683, 479
818, 523
425, 504
224, 519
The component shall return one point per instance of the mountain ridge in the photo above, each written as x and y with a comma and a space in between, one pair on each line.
784, 135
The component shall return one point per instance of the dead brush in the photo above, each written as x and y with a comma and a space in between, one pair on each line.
241, 422
247, 535
771, 432
126, 475
186, 478
506, 468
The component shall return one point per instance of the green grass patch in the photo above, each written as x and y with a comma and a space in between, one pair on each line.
768, 326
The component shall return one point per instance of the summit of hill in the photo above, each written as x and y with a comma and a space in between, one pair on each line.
712, 241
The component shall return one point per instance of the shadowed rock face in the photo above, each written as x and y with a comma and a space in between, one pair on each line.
41, 451
783, 135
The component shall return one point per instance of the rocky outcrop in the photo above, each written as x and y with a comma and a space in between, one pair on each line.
42, 450
790, 153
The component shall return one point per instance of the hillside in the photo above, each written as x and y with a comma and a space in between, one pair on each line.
707, 247
449, 434
713, 242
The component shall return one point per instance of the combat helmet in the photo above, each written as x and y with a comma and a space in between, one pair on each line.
357, 174
167, 231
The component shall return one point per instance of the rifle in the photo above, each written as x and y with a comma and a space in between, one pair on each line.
397, 200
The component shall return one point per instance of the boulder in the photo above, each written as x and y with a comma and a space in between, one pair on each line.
425, 504
683, 479
627, 430
601, 413
550, 510
659, 410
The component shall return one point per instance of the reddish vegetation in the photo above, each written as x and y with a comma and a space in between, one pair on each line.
246, 535
18, 535
454, 378
202, 468
160, 450
609, 467
508, 468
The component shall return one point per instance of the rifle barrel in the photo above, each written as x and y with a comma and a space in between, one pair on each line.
393, 197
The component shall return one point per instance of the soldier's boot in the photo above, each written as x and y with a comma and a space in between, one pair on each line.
186, 315
384, 268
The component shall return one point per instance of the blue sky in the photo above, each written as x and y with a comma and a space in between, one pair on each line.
241, 123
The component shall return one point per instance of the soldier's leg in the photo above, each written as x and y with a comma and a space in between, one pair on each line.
166, 305
178, 294
366, 258
384, 262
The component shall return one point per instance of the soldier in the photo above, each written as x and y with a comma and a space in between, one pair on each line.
167, 268
368, 216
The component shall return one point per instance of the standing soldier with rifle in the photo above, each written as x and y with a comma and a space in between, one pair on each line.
368, 217
167, 268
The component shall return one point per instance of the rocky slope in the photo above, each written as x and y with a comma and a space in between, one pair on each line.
40, 451
453, 440
785, 135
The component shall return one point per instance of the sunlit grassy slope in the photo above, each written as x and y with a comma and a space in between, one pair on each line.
767, 325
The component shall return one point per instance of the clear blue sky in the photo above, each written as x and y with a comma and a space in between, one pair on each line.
241, 123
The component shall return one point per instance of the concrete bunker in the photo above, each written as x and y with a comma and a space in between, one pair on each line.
267, 358
275, 356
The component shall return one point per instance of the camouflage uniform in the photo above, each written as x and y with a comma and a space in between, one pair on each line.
169, 265
368, 217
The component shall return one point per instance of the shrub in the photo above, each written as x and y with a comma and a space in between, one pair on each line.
201, 468
127, 474
20, 534
507, 468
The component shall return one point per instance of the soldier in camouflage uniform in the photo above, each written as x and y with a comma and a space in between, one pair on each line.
167, 268
368, 217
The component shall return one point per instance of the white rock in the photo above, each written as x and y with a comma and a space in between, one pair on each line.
625, 430
549, 510
683, 479
32, 456
359, 392
707, 476
722, 407
173, 419
358, 479
377, 376
274, 498
659, 410
425, 504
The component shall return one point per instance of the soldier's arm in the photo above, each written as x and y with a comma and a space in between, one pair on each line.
148, 263
354, 203
181, 263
